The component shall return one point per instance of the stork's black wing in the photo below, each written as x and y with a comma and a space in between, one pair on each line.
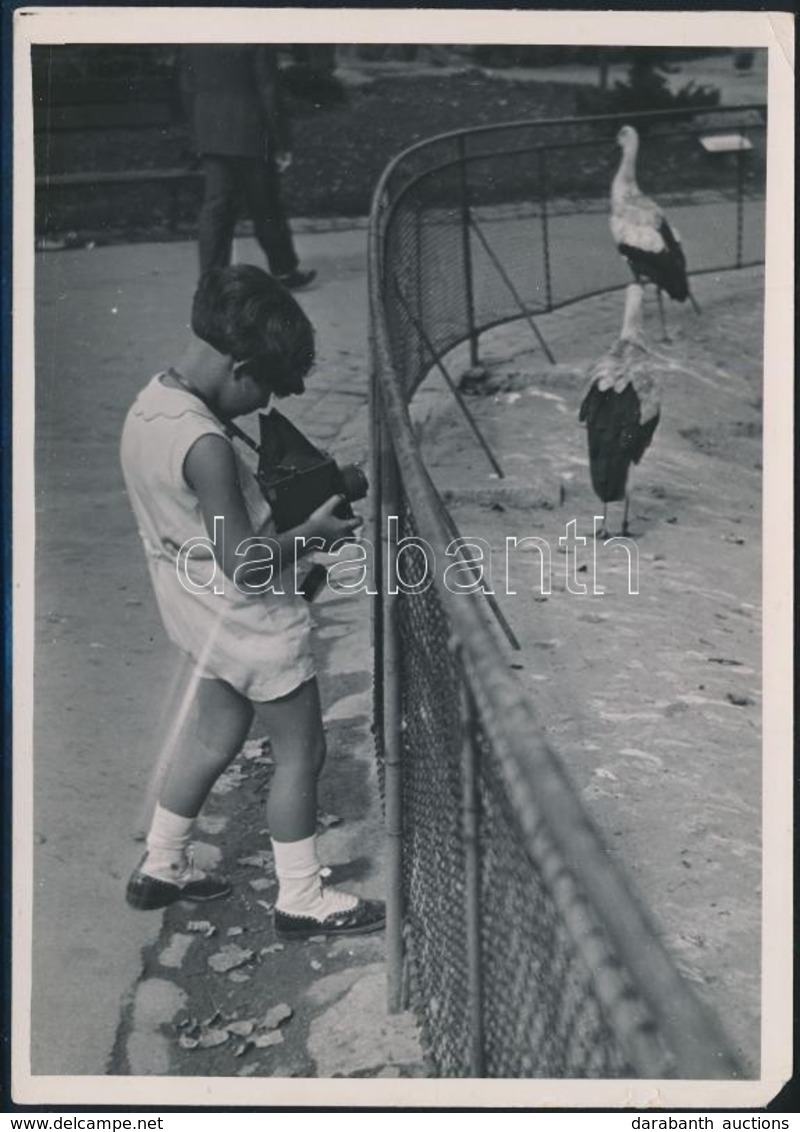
616, 438
667, 268
674, 265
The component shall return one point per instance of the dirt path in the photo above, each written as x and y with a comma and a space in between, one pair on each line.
651, 699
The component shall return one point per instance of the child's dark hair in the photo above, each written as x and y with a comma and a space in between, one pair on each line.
244, 313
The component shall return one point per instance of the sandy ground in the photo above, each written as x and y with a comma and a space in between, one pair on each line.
653, 698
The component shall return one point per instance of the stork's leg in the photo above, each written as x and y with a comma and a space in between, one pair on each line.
625, 528
694, 303
665, 336
602, 531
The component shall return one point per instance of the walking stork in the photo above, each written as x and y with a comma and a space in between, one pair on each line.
621, 409
641, 232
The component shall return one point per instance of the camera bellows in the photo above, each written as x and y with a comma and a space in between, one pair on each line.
296, 477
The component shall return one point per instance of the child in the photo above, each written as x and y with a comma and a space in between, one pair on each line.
186, 480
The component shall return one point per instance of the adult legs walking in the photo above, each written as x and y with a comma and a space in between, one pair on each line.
262, 193
221, 202
229, 183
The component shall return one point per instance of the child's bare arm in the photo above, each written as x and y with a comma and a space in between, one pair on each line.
211, 471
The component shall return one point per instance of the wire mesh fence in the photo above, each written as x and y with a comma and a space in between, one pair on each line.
515, 940
489, 225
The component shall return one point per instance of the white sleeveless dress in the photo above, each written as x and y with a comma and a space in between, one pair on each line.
260, 644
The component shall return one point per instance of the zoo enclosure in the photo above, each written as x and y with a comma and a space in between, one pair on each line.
483, 226
514, 939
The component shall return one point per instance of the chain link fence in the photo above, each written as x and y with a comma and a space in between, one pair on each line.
488, 225
516, 942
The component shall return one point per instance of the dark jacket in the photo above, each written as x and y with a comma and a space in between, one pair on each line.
233, 100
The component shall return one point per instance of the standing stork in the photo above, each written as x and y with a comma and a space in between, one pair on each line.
641, 232
621, 409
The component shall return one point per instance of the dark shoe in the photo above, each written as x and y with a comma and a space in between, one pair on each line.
367, 916
147, 892
297, 279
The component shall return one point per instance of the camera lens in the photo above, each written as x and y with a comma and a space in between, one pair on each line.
354, 483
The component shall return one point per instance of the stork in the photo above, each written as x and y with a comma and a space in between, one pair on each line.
641, 232
621, 409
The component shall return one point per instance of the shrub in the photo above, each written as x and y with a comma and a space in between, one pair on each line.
647, 88
307, 83
743, 60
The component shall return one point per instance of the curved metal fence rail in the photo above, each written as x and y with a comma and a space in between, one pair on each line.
482, 226
518, 944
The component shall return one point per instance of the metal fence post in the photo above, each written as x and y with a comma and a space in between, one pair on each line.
739, 205
374, 536
543, 190
472, 869
466, 244
419, 287
392, 746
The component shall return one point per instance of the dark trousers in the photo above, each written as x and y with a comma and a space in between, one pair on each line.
230, 183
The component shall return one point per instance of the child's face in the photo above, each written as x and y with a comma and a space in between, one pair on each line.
245, 390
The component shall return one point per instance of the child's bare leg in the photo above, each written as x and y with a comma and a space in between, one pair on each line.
304, 907
294, 726
217, 726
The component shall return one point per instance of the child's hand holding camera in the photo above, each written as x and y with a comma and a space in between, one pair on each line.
324, 523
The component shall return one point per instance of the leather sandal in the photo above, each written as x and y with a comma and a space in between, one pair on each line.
147, 892
366, 916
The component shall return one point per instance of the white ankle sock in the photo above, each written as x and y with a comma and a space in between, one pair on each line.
167, 842
300, 890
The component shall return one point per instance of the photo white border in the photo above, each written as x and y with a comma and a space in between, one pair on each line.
773, 31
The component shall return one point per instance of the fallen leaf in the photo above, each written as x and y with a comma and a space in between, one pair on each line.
230, 957
212, 1038
316, 965
273, 947
238, 977
260, 860
327, 821
203, 927
230, 779
265, 1040
260, 884
277, 1014
185, 1042
241, 1029
234, 931
256, 748
242, 1049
